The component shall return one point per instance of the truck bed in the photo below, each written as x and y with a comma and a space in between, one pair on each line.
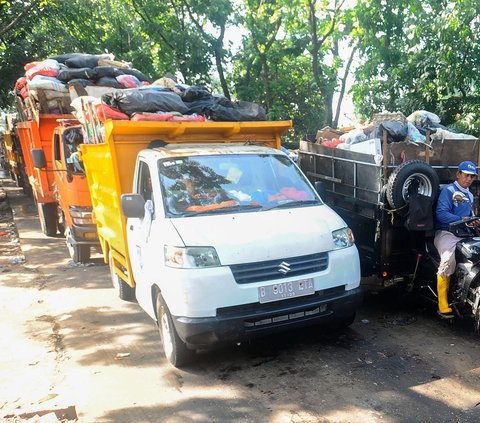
110, 166
354, 186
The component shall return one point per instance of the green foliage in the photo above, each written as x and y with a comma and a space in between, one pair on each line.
18, 21
64, 27
418, 55
174, 44
462, 115
412, 54
292, 59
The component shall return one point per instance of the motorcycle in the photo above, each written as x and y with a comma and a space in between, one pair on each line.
464, 291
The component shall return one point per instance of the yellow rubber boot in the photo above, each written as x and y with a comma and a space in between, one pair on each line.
442, 290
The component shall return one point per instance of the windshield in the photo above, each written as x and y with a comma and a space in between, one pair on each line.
72, 138
232, 183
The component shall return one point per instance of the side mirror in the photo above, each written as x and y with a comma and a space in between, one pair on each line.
133, 205
38, 158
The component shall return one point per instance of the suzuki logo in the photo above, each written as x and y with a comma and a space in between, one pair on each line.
284, 267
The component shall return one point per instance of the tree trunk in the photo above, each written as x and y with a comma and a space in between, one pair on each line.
344, 84
221, 73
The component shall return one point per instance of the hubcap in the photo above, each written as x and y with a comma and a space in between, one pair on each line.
424, 185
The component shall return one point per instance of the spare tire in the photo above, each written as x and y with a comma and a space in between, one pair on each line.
401, 178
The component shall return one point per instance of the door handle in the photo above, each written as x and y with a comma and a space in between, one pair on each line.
131, 227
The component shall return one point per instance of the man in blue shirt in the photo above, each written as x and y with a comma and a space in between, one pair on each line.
454, 203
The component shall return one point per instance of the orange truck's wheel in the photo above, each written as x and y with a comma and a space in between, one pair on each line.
47, 214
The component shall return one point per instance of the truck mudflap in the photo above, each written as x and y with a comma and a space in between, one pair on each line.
335, 307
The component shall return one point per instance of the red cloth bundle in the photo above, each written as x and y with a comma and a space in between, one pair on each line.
154, 117
105, 112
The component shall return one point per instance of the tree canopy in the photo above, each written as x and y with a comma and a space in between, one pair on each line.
295, 57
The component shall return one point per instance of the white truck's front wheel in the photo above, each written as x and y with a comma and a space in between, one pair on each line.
175, 349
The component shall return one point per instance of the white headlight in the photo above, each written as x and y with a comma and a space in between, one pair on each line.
81, 215
191, 257
343, 238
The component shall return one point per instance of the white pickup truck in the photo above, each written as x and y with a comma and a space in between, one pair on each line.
223, 239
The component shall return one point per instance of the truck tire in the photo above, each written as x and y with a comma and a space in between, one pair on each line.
175, 349
47, 214
401, 178
124, 291
81, 253
345, 322
78, 252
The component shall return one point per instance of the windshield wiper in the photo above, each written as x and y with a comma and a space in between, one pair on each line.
224, 209
294, 203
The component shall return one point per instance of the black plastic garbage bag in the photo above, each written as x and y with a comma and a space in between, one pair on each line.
62, 58
135, 72
194, 93
201, 107
223, 110
67, 74
108, 81
237, 111
432, 127
145, 100
101, 71
396, 131
86, 60
82, 82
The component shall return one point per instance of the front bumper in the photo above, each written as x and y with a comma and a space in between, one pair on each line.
251, 320
84, 234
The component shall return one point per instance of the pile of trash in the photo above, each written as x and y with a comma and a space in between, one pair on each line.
78, 83
45, 88
419, 128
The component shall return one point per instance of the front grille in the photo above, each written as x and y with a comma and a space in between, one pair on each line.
289, 317
271, 270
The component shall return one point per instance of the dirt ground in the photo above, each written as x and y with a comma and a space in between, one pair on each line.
72, 351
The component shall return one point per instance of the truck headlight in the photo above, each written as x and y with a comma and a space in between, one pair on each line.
81, 215
191, 257
343, 238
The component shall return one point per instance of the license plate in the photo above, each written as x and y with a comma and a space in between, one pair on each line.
285, 290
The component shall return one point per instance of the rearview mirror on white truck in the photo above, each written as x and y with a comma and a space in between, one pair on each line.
133, 205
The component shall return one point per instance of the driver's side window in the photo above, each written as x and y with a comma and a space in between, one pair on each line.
144, 185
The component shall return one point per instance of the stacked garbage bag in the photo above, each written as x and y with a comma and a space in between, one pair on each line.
47, 85
368, 137
110, 88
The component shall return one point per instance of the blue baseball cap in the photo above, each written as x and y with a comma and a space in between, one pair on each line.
468, 167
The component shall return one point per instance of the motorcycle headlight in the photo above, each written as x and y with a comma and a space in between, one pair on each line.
191, 257
343, 238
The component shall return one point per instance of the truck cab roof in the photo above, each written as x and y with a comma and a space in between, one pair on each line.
182, 150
